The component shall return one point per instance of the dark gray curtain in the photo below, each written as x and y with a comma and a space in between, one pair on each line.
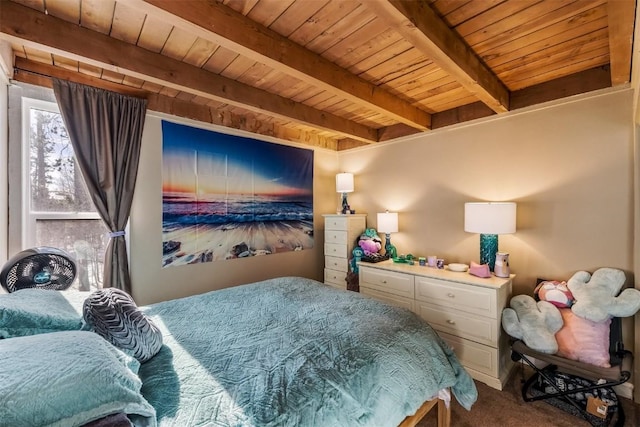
105, 129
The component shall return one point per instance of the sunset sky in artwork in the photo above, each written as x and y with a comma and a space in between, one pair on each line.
200, 162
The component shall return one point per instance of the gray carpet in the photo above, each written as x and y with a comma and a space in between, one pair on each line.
506, 408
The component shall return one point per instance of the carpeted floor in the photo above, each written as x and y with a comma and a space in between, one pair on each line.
506, 408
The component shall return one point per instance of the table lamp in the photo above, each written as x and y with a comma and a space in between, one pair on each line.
344, 185
387, 224
489, 219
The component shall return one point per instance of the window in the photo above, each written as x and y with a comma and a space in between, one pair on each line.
57, 208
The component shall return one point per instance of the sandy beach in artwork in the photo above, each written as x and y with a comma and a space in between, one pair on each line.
204, 243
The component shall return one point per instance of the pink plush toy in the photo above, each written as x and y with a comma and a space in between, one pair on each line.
369, 246
555, 292
370, 242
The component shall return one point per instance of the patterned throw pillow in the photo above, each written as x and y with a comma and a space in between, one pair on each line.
113, 314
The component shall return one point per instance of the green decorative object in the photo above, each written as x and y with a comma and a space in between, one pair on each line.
370, 232
357, 254
488, 249
389, 248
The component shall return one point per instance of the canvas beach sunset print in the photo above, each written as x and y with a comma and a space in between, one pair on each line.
225, 196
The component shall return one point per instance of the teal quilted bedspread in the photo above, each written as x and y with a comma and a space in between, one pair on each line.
294, 352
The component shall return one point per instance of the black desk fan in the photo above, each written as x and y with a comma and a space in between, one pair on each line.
41, 267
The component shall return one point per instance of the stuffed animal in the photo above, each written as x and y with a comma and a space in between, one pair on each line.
555, 292
356, 255
535, 323
370, 242
597, 296
595, 300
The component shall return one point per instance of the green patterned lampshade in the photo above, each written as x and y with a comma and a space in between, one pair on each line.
489, 219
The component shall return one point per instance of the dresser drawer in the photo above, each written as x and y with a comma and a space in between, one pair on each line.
472, 355
335, 277
335, 236
480, 329
469, 298
336, 223
345, 222
335, 263
335, 250
395, 300
387, 281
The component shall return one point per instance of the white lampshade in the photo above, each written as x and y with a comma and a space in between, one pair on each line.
388, 222
490, 217
344, 182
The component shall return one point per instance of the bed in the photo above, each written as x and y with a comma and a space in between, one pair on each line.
281, 352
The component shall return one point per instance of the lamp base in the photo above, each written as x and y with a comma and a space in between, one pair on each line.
488, 249
390, 250
345, 205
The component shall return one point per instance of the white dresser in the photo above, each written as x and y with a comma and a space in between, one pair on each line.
464, 309
340, 234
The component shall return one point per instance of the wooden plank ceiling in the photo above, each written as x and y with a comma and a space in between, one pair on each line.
329, 73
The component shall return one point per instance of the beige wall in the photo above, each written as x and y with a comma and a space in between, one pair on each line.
569, 167
152, 283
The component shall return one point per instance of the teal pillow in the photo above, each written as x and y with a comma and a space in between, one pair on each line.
68, 378
38, 311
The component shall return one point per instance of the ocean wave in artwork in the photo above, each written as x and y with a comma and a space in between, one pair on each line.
196, 232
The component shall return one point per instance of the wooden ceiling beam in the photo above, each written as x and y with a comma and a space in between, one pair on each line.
420, 24
23, 25
220, 24
585, 81
563, 87
621, 15
348, 144
40, 74
395, 131
23, 65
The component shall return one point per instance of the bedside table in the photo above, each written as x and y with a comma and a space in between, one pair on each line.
465, 310
340, 234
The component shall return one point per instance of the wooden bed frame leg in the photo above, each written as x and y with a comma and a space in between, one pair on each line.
444, 414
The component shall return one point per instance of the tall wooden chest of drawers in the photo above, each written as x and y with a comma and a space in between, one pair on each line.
340, 234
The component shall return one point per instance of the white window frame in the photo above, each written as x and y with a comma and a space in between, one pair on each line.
29, 217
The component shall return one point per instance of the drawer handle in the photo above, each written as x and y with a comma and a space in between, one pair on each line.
450, 295
384, 282
451, 322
